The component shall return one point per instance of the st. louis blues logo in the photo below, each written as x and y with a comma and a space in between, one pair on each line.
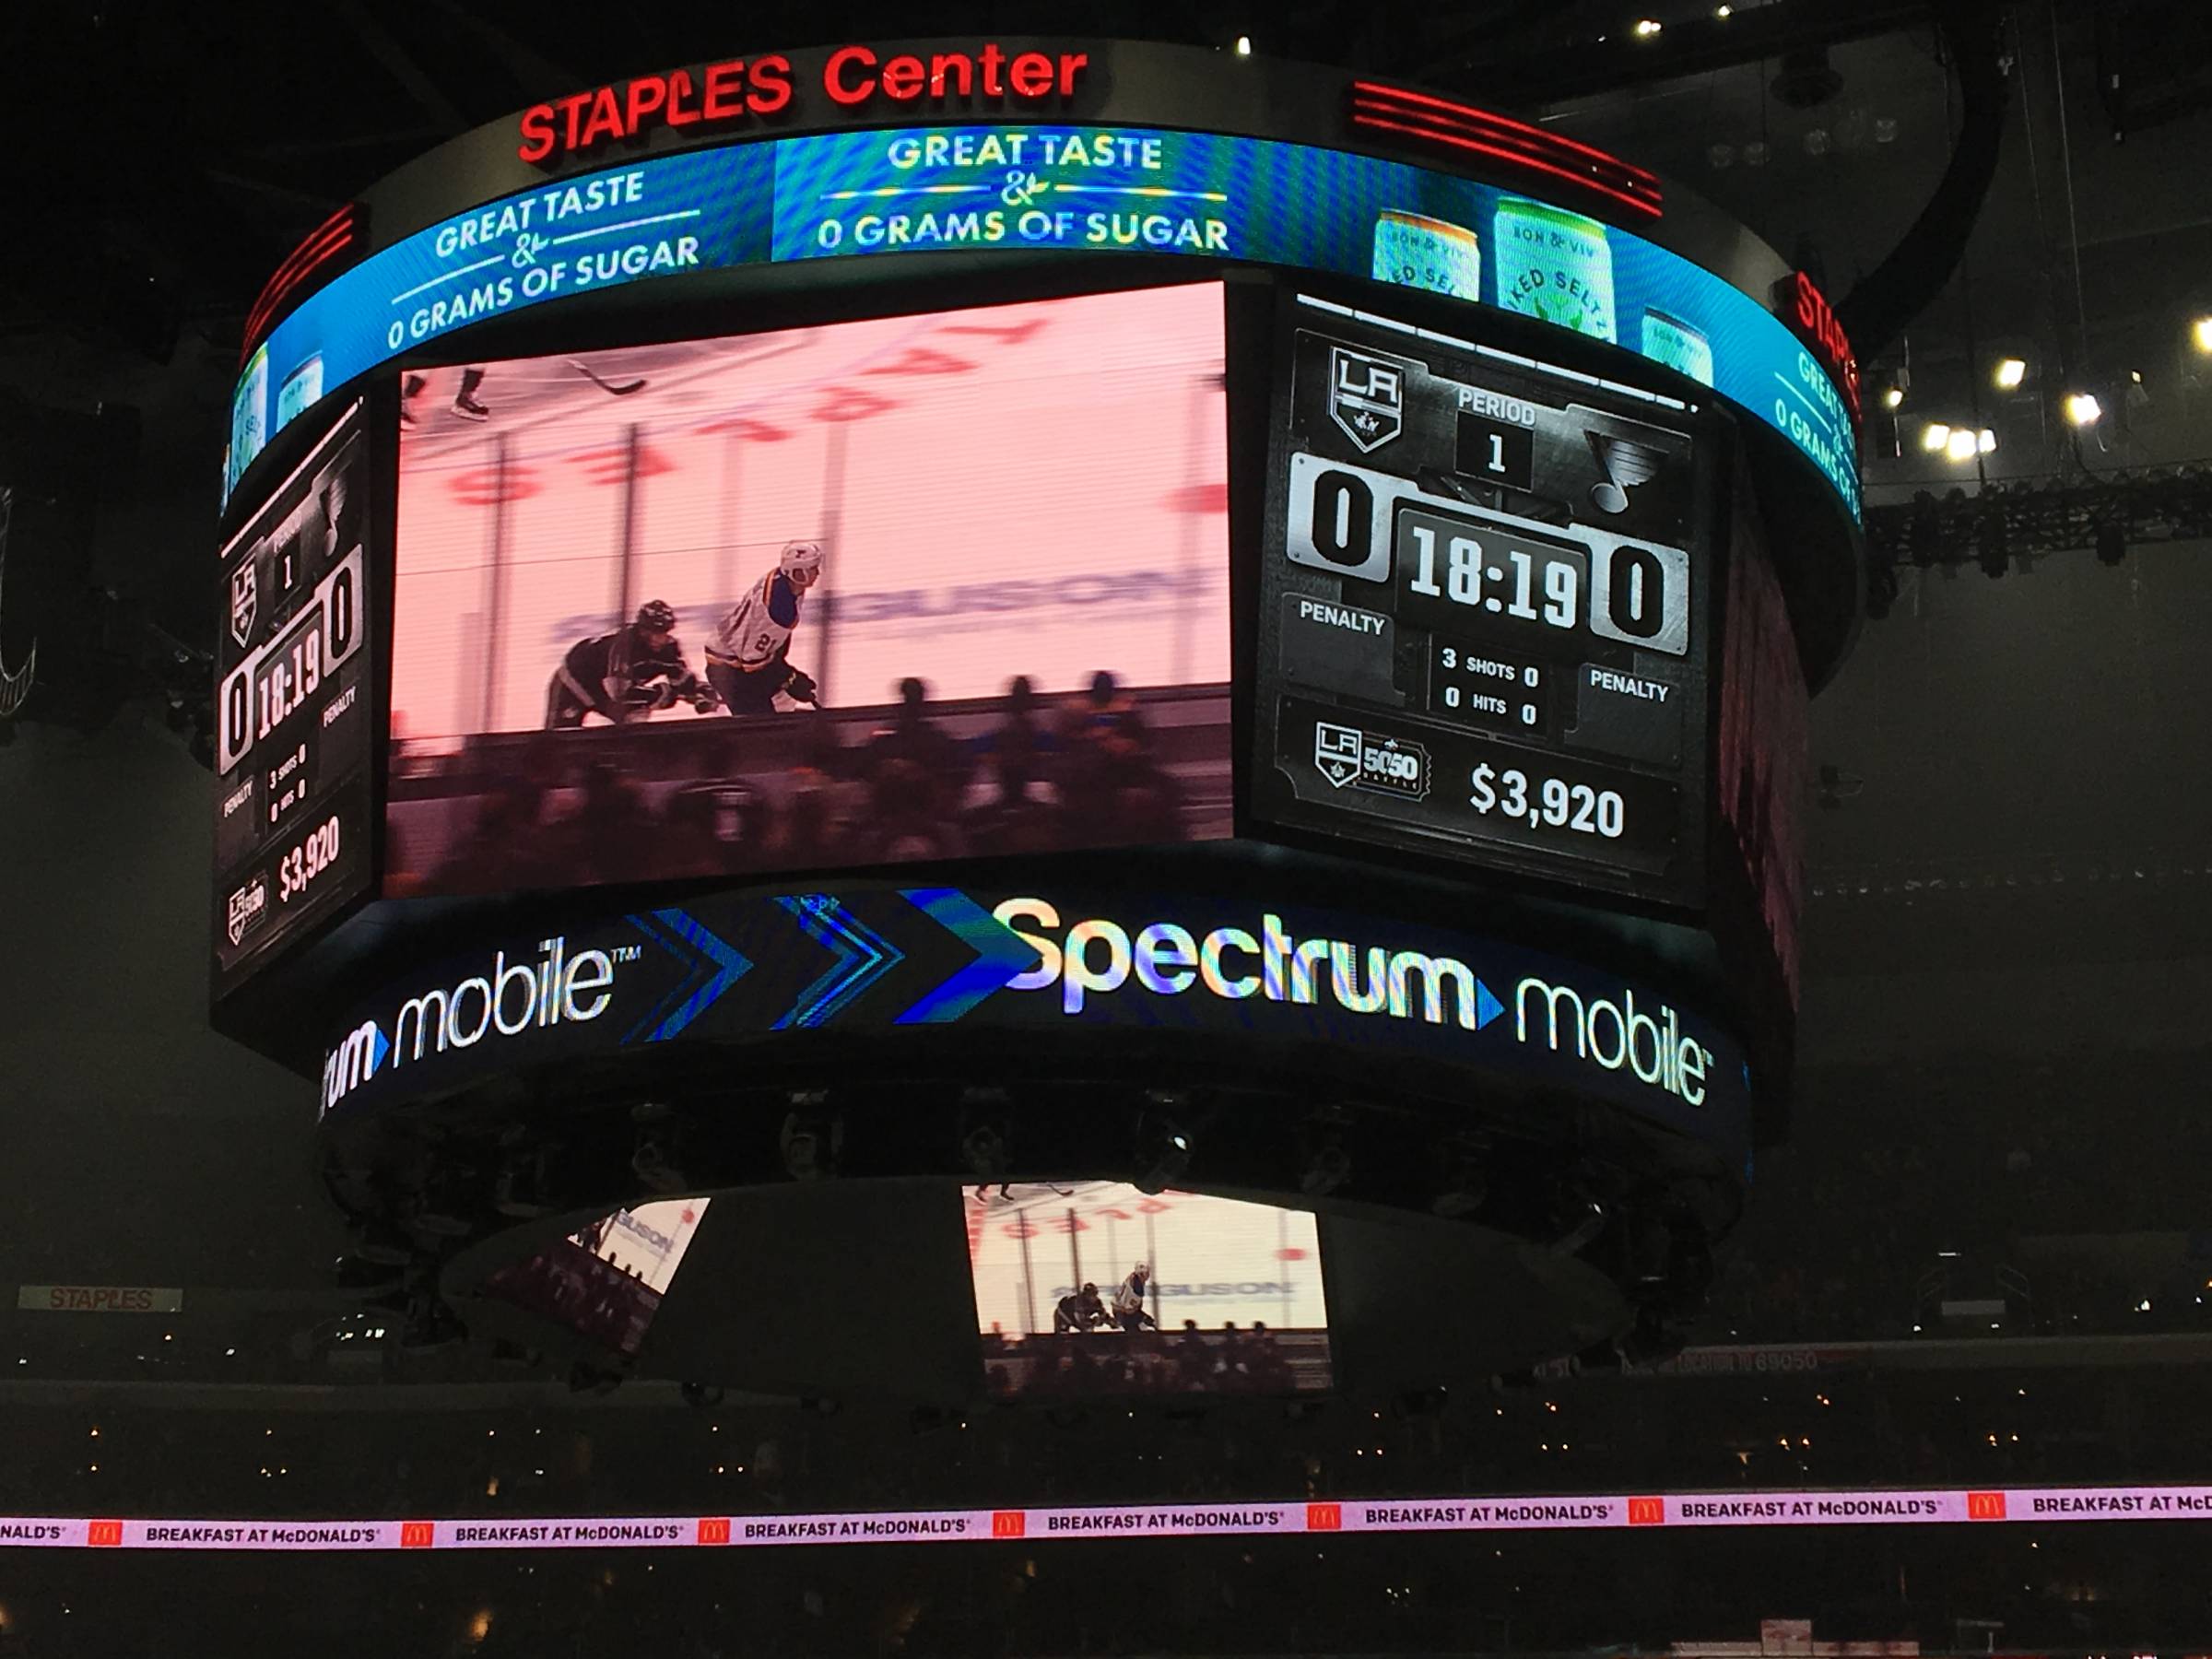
1367, 397
245, 602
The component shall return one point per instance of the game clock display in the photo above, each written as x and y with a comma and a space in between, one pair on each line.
292, 819
1481, 631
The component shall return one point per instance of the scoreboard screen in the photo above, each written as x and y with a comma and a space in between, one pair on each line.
292, 824
1482, 626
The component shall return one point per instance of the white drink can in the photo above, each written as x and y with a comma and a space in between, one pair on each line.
1416, 252
1674, 343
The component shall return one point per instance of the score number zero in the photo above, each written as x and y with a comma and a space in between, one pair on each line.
1368, 525
275, 679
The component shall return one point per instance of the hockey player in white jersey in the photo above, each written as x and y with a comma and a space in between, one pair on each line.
748, 661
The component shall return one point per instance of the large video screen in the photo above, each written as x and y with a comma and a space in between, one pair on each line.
1039, 189
1094, 1289
606, 1281
293, 806
1482, 627
877, 591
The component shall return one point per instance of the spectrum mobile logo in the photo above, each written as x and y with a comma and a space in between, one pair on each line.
559, 989
1097, 957
1678, 1063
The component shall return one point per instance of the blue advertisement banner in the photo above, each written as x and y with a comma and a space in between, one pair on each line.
745, 967
1043, 188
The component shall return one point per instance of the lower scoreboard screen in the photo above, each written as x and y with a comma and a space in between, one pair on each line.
1480, 629
292, 816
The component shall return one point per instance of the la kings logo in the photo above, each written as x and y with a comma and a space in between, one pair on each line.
1367, 397
245, 601
1336, 750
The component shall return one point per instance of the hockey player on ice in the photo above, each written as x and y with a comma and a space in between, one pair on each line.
747, 661
626, 674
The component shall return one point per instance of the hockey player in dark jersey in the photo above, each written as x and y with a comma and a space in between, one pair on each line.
748, 661
625, 675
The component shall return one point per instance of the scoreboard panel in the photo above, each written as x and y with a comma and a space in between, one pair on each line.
293, 705
1483, 610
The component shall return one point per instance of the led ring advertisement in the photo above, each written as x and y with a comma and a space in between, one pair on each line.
870, 956
1043, 188
1131, 1523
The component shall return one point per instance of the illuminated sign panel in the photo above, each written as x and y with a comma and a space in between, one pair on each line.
1135, 1523
737, 90
1017, 512
867, 957
1041, 188
293, 799
1151, 1293
1482, 609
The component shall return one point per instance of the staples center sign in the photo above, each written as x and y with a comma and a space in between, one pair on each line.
854, 78
98, 1299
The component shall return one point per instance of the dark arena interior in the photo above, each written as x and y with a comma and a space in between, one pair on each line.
1102, 830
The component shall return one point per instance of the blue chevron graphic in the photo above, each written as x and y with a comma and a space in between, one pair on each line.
1000, 954
864, 956
1487, 1006
712, 965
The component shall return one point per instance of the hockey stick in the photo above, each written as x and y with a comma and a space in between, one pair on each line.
615, 388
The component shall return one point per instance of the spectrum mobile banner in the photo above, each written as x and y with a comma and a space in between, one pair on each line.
870, 955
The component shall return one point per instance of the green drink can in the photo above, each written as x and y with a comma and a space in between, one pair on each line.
1674, 343
1554, 266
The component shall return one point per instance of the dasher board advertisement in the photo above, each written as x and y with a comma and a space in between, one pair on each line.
1483, 615
881, 592
293, 782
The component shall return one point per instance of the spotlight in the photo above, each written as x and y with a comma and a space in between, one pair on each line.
1934, 436
1990, 542
1243, 45
1985, 440
2200, 331
1163, 1149
2010, 373
1893, 398
2083, 409
1646, 27
1959, 444
2112, 544
811, 1138
1724, 12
